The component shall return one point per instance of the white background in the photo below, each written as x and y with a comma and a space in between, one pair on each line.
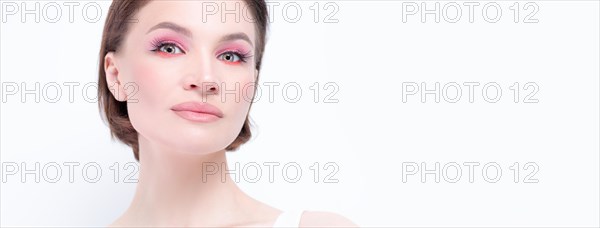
369, 133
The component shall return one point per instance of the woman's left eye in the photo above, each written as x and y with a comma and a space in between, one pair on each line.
231, 57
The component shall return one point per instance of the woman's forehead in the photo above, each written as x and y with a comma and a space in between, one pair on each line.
198, 18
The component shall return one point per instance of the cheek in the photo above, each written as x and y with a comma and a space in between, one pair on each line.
234, 77
238, 106
153, 86
151, 82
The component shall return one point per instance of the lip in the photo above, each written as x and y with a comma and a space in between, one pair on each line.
198, 112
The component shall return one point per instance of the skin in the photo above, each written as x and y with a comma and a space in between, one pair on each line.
172, 190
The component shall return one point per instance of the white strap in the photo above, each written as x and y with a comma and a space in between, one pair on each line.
289, 218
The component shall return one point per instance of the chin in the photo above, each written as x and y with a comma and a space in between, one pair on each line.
204, 145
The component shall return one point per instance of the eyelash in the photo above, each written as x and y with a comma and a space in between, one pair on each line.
243, 56
157, 44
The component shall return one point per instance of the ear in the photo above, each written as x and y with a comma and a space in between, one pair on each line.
255, 74
115, 85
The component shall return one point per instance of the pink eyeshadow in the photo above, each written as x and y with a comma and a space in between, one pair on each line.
166, 37
234, 46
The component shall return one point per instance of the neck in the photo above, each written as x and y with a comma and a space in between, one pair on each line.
185, 189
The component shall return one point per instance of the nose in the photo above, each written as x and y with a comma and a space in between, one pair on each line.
203, 78
206, 87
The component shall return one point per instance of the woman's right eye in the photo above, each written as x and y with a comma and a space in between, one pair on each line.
169, 48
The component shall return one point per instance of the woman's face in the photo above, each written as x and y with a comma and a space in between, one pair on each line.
172, 54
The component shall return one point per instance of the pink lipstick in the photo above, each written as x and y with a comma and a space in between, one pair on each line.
197, 112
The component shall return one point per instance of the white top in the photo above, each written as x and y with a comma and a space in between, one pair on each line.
289, 218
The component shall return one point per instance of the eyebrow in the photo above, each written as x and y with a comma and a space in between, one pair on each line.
236, 36
180, 29
172, 26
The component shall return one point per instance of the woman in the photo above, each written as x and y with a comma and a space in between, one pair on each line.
163, 68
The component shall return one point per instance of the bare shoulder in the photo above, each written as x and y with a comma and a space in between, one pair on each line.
324, 219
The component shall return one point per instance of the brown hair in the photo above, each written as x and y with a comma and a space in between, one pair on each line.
116, 27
